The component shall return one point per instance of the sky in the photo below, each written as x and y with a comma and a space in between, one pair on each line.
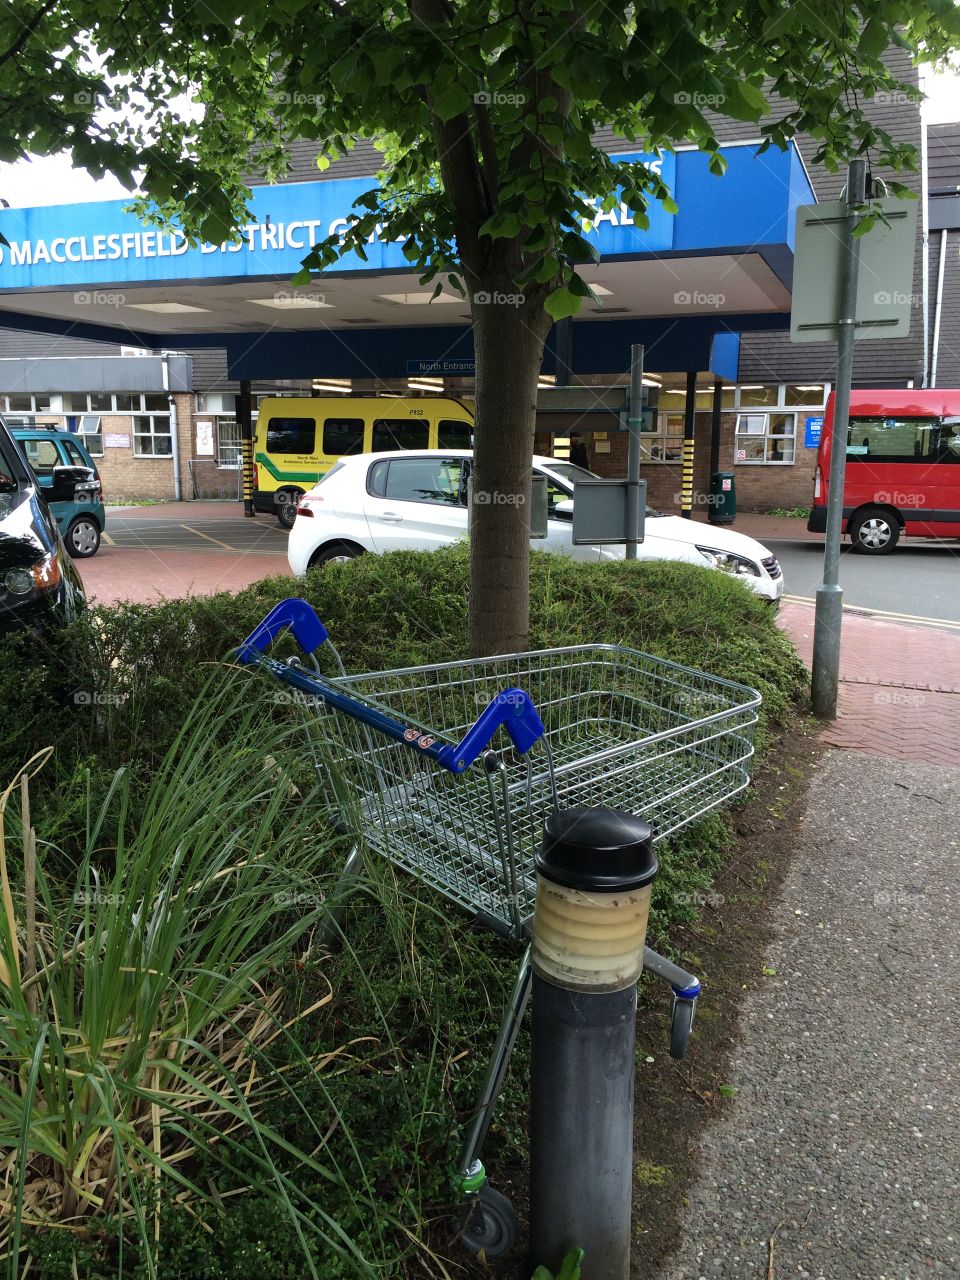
53, 180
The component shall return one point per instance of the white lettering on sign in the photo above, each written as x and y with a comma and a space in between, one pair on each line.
116, 440
253, 238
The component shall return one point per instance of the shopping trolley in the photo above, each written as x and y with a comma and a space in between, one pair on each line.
449, 771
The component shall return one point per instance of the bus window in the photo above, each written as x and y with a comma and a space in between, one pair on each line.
342, 436
892, 440
950, 440
453, 434
400, 433
291, 435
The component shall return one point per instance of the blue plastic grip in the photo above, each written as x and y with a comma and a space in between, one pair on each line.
514, 710
308, 631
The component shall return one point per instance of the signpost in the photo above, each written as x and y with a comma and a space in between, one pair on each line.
875, 276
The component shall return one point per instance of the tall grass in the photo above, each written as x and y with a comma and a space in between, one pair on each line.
141, 1015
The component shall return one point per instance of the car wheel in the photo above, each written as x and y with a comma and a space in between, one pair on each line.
287, 501
335, 553
83, 537
874, 532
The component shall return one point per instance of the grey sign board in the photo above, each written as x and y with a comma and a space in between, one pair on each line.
885, 293
600, 512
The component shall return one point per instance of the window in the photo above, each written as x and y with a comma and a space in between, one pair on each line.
761, 396
43, 456
151, 435
892, 439
376, 479
433, 480
91, 431
452, 434
950, 440
766, 437
665, 442
400, 433
342, 436
805, 393
74, 457
291, 435
229, 445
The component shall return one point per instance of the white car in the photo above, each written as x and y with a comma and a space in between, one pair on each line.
415, 500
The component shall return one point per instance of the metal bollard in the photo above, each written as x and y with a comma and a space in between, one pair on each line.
596, 871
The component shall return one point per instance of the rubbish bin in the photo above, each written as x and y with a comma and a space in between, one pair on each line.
723, 498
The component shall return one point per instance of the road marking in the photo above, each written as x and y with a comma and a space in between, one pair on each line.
226, 545
105, 537
883, 614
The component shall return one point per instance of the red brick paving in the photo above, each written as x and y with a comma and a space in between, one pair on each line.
144, 576
899, 686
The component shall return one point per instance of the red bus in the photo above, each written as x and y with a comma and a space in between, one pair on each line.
902, 472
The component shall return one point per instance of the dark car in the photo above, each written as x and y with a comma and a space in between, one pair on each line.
39, 585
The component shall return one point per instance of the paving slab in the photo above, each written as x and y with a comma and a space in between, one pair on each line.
838, 1156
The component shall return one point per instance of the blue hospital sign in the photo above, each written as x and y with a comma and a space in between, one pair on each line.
811, 432
103, 243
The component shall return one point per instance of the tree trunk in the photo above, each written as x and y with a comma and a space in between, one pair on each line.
508, 345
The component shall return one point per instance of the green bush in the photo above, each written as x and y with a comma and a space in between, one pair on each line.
114, 689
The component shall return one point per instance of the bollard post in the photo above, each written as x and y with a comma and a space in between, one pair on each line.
595, 876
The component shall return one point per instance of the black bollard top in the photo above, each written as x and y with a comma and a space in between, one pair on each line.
597, 850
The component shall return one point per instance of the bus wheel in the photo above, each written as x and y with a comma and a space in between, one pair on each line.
287, 500
874, 531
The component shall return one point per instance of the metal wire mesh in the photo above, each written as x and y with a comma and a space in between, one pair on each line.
623, 729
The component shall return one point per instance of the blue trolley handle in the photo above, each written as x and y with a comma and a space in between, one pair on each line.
308, 631
512, 708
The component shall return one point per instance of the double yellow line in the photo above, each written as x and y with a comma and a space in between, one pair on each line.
884, 615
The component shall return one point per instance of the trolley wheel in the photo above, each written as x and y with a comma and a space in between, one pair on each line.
287, 501
681, 1025
491, 1225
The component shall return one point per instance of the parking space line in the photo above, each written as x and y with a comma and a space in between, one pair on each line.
105, 537
225, 545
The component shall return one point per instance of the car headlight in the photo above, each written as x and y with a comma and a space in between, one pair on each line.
43, 576
18, 582
729, 562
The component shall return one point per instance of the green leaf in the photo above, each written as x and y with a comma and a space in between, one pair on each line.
450, 101
727, 1091
874, 38
570, 1269
561, 303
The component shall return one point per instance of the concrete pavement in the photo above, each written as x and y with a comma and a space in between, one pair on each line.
837, 1158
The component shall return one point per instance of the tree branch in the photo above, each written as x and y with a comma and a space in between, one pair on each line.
28, 31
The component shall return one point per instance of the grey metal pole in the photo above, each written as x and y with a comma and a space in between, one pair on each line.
829, 610
596, 871
634, 426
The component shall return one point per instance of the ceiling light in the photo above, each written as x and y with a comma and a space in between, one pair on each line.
418, 299
166, 308
651, 382
291, 302
414, 385
752, 386
430, 382
599, 290
340, 386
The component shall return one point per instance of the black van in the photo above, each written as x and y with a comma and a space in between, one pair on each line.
39, 585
